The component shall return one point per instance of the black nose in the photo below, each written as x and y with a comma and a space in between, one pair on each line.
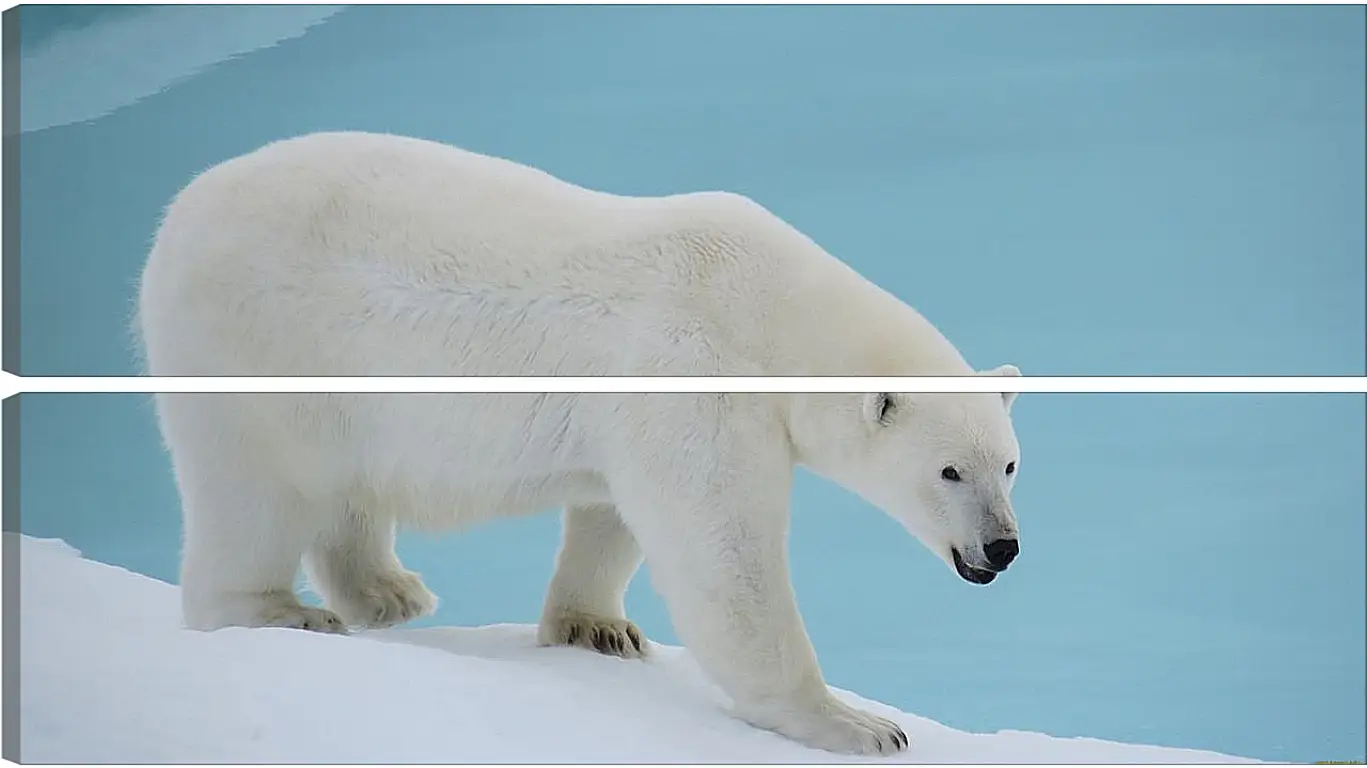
1001, 552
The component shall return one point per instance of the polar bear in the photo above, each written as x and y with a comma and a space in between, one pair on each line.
364, 254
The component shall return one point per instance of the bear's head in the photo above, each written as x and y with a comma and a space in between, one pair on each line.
943, 465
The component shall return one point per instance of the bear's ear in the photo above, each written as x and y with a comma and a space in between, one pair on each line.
1005, 370
879, 408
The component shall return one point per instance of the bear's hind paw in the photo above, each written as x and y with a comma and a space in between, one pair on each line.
383, 599
303, 617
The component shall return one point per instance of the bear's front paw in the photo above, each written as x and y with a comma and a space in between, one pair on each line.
834, 726
612, 637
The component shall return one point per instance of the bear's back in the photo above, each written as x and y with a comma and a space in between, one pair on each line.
370, 242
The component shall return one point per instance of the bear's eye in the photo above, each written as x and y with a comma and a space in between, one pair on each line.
1011, 468
951, 474
885, 409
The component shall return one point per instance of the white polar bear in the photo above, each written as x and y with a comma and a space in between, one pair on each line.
362, 254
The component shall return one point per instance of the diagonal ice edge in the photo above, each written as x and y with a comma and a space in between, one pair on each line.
86, 73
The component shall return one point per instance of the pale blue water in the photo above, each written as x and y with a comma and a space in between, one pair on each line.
1078, 190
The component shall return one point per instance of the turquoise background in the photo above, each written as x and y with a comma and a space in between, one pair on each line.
1077, 190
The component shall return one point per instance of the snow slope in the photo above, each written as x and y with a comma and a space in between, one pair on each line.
108, 676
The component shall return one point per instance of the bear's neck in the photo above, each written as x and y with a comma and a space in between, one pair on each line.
847, 326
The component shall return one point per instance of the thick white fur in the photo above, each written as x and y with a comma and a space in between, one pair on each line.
362, 254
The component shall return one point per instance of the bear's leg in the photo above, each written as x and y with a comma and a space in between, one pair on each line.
356, 571
244, 538
597, 558
726, 582
706, 495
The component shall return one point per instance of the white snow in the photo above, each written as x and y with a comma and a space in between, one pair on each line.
108, 676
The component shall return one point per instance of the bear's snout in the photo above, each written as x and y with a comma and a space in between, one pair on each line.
1001, 552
